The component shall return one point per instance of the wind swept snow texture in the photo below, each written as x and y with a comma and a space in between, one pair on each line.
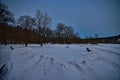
56, 62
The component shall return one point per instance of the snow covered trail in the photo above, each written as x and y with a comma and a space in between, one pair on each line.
57, 62
29, 65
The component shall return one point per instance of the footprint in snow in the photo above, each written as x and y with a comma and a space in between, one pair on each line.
75, 65
51, 60
83, 62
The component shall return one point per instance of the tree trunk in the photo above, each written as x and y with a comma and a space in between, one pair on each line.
26, 44
5, 43
41, 44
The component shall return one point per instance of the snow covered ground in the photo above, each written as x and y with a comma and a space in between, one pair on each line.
57, 62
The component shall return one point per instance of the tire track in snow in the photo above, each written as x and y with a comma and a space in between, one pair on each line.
108, 51
110, 61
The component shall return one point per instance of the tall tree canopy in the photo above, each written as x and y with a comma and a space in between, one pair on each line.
26, 22
5, 14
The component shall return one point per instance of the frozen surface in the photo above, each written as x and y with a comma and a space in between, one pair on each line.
57, 62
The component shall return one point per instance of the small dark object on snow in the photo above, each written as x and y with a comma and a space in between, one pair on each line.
81, 46
11, 47
67, 47
88, 49
83, 62
1, 69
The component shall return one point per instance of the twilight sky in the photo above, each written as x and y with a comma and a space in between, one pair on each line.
86, 16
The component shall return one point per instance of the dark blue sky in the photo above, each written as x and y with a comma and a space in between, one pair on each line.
86, 16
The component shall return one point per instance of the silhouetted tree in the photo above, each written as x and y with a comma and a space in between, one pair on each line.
60, 29
86, 37
65, 34
26, 22
76, 37
54, 36
43, 21
69, 33
48, 34
5, 15
3, 33
96, 35
90, 37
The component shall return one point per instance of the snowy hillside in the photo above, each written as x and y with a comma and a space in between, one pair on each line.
60, 62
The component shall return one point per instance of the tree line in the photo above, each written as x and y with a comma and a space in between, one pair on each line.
27, 29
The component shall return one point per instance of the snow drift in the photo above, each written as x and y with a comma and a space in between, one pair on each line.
56, 62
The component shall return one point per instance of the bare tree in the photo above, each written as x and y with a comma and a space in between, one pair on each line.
65, 34
26, 22
48, 35
43, 21
96, 35
68, 33
60, 29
